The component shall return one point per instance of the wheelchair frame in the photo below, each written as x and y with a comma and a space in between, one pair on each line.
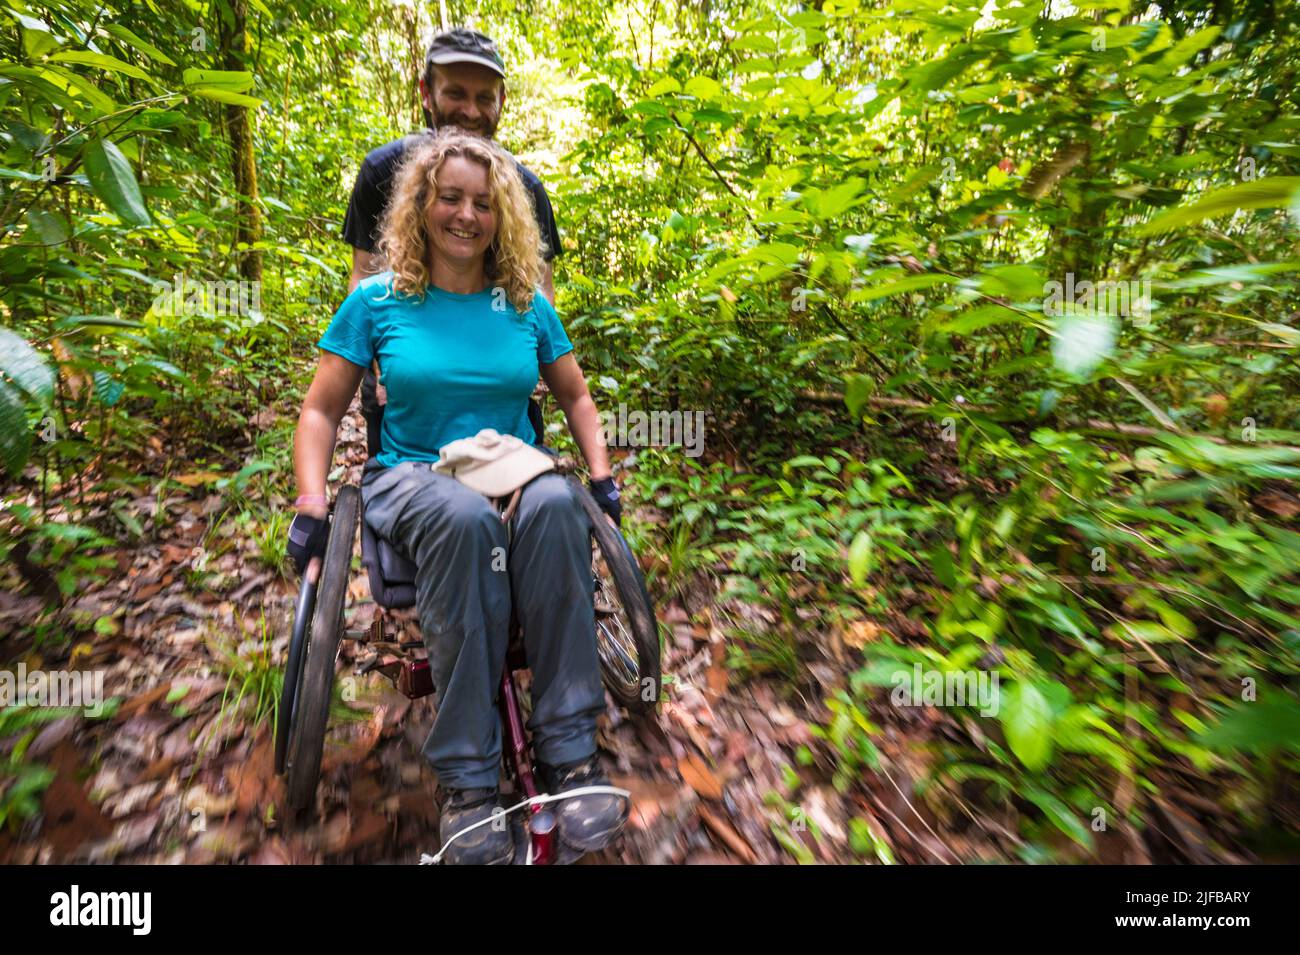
318, 632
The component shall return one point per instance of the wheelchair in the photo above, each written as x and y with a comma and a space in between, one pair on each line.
626, 636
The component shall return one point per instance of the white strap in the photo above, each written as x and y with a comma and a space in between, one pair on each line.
426, 859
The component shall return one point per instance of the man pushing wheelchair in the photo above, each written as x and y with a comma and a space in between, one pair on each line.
460, 325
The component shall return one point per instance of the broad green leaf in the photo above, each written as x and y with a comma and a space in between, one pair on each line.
222, 95
77, 321
1188, 47
28, 370
1147, 631
1015, 282
20, 174
148, 49
666, 85
237, 81
857, 393
15, 435
912, 283
113, 181
860, 554
101, 60
36, 43
1266, 725
1276, 191
1285, 332
1027, 721
754, 41
49, 226
981, 316
1061, 816
833, 202
941, 564
107, 388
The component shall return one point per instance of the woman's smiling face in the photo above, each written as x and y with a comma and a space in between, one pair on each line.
461, 221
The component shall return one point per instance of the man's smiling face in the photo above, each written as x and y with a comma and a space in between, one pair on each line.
465, 95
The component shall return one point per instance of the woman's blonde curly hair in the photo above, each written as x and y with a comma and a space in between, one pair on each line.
513, 260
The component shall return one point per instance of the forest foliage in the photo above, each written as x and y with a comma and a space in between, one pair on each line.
991, 308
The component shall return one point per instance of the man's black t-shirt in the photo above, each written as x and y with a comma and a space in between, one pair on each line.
375, 179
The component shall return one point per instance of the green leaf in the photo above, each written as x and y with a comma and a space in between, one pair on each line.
666, 85
1188, 47
982, 316
49, 227
1061, 817
111, 321
1261, 194
834, 201
1027, 721
222, 95
20, 362
15, 435
911, 283
113, 181
6, 173
805, 461
860, 554
237, 81
857, 393
101, 60
148, 49
107, 388
1016, 282
1265, 726
941, 563
36, 43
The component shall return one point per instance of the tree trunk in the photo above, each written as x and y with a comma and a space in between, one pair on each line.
239, 126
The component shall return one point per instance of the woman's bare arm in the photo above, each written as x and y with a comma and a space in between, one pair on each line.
564, 378
327, 401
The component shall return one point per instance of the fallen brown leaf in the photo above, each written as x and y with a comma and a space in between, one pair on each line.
699, 777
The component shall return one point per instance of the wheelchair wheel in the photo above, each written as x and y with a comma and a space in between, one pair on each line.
293, 670
627, 634
309, 713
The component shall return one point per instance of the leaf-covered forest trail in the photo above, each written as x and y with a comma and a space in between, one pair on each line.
182, 770
728, 770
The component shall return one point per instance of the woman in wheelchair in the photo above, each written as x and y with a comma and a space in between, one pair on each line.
460, 332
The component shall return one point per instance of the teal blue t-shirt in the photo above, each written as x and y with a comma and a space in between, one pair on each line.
453, 364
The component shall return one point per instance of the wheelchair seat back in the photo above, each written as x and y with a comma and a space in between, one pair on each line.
392, 576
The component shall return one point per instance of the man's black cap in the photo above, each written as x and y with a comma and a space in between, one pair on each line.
464, 46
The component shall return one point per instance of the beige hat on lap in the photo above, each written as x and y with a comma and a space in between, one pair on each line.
491, 463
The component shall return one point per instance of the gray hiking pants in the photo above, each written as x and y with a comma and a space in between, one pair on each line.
468, 578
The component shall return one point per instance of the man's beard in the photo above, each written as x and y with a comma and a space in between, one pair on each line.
438, 120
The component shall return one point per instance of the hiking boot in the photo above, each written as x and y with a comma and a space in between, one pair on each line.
587, 823
489, 844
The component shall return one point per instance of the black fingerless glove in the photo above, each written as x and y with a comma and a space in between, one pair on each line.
605, 491
307, 538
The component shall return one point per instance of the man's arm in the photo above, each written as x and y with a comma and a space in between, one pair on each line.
363, 265
548, 281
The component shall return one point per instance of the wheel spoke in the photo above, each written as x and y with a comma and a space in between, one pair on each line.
614, 641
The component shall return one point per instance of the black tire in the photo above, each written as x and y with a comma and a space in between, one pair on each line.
312, 704
627, 633
293, 670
